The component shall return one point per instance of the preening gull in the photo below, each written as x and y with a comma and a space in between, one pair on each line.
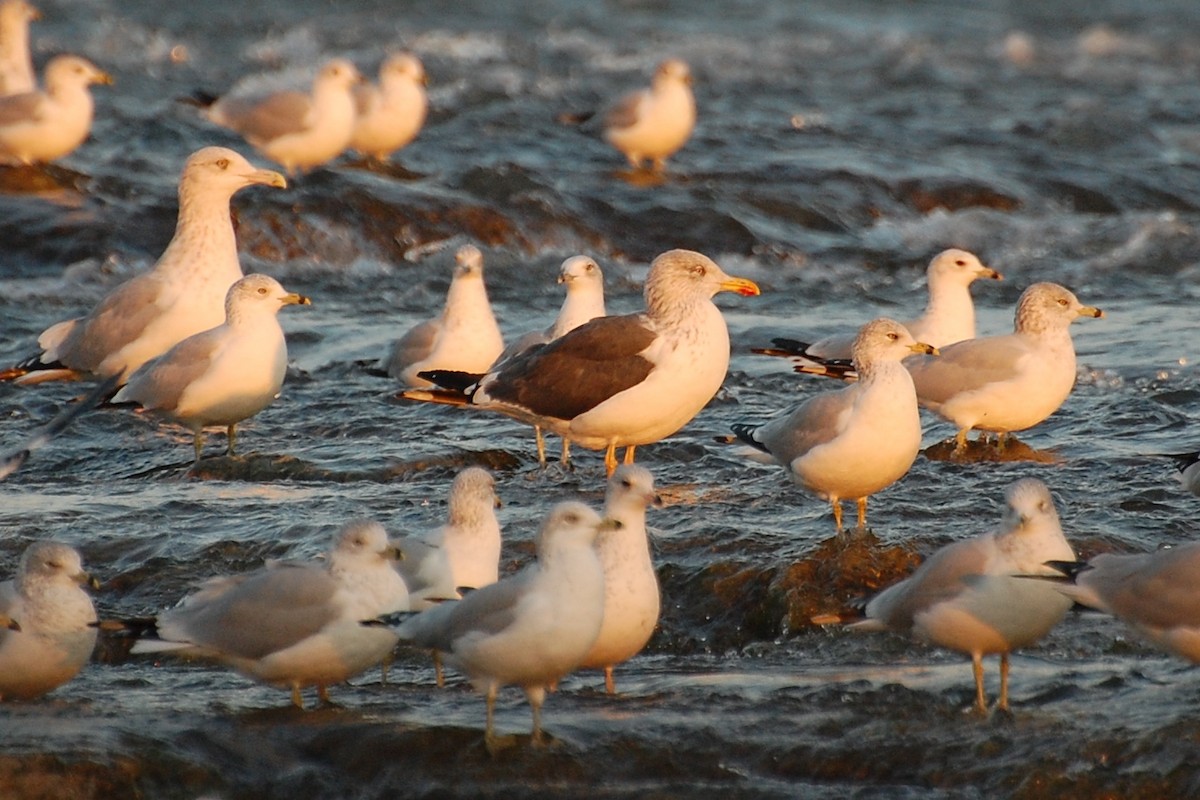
949, 315
390, 115
622, 380
16, 65
223, 375
465, 337
631, 596
1157, 594
652, 124
969, 596
584, 284
530, 629
47, 635
43, 125
300, 131
183, 294
293, 624
853, 442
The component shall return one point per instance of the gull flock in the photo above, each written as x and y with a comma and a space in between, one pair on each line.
196, 343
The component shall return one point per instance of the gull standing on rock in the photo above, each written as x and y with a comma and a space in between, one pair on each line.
46, 635
390, 115
530, 629
617, 381
584, 284
652, 124
292, 624
41, 126
465, 337
970, 596
853, 442
16, 65
631, 595
223, 375
183, 294
300, 131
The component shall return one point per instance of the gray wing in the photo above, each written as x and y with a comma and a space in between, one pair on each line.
416, 553
626, 111
814, 422
942, 577
19, 108
485, 611
265, 119
1159, 590
967, 365
413, 346
255, 615
158, 384
120, 318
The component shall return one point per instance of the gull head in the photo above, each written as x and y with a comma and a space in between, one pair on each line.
678, 277
468, 260
959, 267
579, 270
1048, 306
672, 71
17, 12
52, 562
1030, 533
361, 542
472, 494
259, 294
882, 340
402, 68
631, 487
224, 171
73, 72
570, 524
339, 73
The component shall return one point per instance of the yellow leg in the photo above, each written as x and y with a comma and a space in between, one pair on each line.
1001, 441
862, 513
629, 453
297, 700
489, 733
323, 694
610, 459
566, 452
231, 433
610, 685
1003, 702
541, 444
977, 668
960, 441
439, 676
198, 444
837, 514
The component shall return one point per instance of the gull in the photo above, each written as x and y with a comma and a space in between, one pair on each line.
293, 624
969, 596
631, 594
652, 124
853, 442
1157, 594
584, 302
462, 554
183, 294
617, 381
949, 316
47, 635
16, 66
300, 131
1189, 471
530, 629
390, 115
465, 337
225, 374
41, 126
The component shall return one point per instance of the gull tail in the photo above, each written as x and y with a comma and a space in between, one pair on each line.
784, 348
839, 369
32, 370
451, 379
1183, 460
446, 397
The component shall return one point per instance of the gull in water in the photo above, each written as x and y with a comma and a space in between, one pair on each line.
300, 131
949, 316
631, 595
530, 629
584, 302
223, 375
969, 596
853, 442
1157, 594
390, 115
16, 65
465, 337
618, 381
47, 633
183, 294
39, 126
652, 124
292, 624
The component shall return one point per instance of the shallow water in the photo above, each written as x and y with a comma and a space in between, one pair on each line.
840, 146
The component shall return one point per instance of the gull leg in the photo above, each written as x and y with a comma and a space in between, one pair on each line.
541, 444
629, 453
610, 685
323, 694
837, 514
960, 441
489, 735
439, 676
862, 513
297, 700
1001, 441
198, 444
1002, 703
566, 452
977, 668
536, 696
231, 434
610, 459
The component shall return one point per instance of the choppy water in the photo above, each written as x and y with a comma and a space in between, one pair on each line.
840, 145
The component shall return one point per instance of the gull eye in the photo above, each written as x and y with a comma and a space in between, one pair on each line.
1062, 301
222, 163
262, 290
893, 336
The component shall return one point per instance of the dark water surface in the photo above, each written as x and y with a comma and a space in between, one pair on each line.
840, 145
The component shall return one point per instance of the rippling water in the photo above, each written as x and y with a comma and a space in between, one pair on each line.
840, 145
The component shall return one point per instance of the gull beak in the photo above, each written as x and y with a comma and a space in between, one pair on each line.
655, 500
743, 286
991, 274
926, 349
393, 553
34, 14
267, 177
1091, 311
609, 524
84, 579
103, 77
497, 503
9, 623
294, 299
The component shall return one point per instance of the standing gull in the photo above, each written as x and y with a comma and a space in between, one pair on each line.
949, 316
1188, 465
223, 375
47, 635
530, 629
16, 65
465, 337
969, 596
390, 115
617, 381
1157, 594
651, 124
300, 131
584, 302
39, 126
293, 624
183, 294
855, 441
631, 595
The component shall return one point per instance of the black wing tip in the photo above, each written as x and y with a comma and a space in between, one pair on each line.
1071, 569
1184, 460
451, 379
200, 98
745, 432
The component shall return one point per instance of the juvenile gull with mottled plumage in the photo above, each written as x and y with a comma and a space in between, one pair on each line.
617, 381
